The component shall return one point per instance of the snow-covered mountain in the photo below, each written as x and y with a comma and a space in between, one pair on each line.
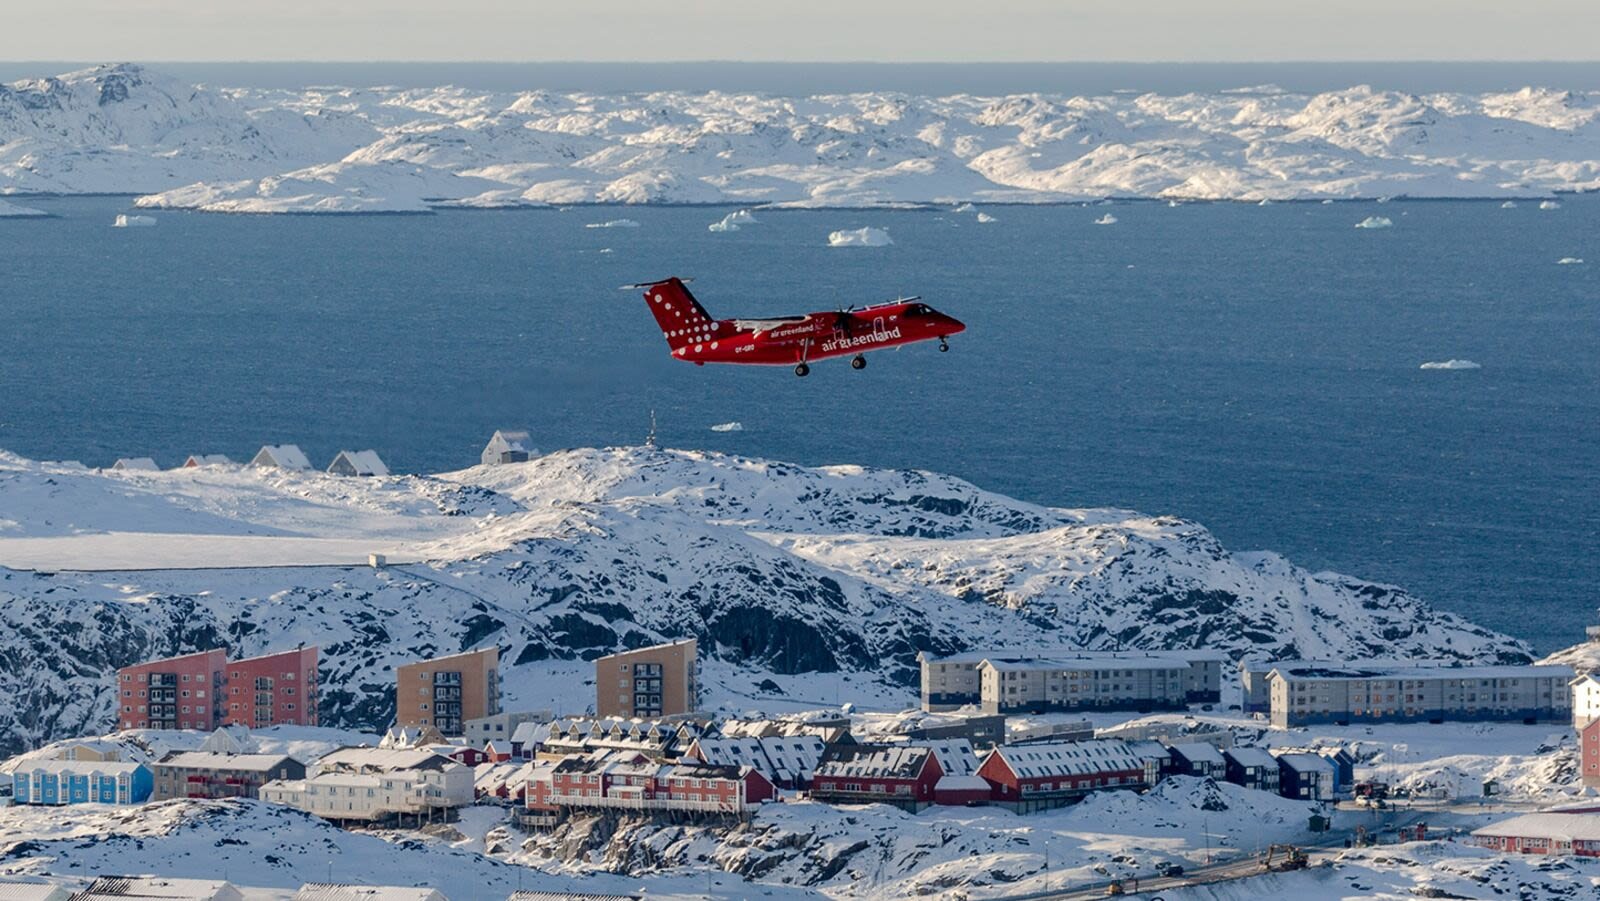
123, 128
804, 585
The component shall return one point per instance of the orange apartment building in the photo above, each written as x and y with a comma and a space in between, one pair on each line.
650, 682
204, 690
445, 692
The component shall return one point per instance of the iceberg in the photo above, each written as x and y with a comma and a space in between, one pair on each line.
1107, 219
985, 217
860, 237
1509, 205
1452, 364
1375, 222
126, 221
728, 427
1569, 261
732, 221
1549, 205
15, 211
613, 223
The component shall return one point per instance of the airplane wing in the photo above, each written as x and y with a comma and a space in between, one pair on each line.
762, 325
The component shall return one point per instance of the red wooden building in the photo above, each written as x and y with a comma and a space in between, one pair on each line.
1051, 774
1544, 833
903, 775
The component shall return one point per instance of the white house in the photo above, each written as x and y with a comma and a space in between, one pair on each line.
1585, 700
206, 460
507, 447
375, 783
358, 463
135, 464
283, 456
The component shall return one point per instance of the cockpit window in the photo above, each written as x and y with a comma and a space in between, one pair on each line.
918, 309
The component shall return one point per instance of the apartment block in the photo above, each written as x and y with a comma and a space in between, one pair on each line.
210, 774
1319, 694
273, 689
1041, 680
175, 693
649, 682
446, 692
374, 784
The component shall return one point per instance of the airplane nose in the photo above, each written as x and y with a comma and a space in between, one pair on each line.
953, 325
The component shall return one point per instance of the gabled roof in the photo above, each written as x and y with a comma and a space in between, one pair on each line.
1198, 752
213, 760
1251, 757
208, 460
32, 891
530, 732
324, 891
876, 761
286, 456
383, 760
364, 462
1068, 758
139, 464
80, 767
1302, 762
513, 439
1556, 826
158, 887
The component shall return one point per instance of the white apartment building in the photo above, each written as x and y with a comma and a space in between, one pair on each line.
376, 783
1312, 694
1123, 680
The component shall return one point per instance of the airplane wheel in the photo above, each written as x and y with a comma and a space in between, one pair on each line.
858, 362
802, 370
943, 347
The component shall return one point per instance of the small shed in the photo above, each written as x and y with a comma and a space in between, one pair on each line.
358, 463
283, 456
962, 791
135, 464
206, 460
507, 447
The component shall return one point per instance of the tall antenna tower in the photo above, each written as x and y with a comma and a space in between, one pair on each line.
650, 439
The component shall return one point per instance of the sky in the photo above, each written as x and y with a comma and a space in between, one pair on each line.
813, 30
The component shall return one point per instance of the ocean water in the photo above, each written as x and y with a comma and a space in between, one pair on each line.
1253, 368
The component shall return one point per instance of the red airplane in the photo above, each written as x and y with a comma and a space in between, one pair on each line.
795, 341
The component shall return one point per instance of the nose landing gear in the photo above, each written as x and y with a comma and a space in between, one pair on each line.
944, 346
859, 361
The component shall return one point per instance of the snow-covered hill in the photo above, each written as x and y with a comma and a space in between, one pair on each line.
123, 128
805, 586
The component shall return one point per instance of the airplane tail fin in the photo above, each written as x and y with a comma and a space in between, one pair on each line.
682, 320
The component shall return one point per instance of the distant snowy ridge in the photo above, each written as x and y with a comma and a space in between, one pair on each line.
127, 129
795, 577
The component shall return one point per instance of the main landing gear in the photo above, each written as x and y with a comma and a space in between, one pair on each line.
859, 361
802, 370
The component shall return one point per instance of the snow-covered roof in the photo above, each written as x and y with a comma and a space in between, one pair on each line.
1293, 672
962, 783
1301, 762
159, 887
1149, 749
1068, 758
325, 891
1024, 655
383, 760
140, 464
286, 456
877, 762
1251, 757
208, 460
956, 756
32, 891
80, 767
214, 760
569, 896
364, 462
513, 439
1079, 661
530, 732
1198, 752
1555, 826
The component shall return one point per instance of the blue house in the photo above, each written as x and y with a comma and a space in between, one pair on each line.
59, 782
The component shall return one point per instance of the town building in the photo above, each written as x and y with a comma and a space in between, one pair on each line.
282, 456
1198, 758
1040, 776
273, 689
8, 793
89, 749
1586, 720
627, 780
358, 463
209, 774
1157, 757
1043, 680
61, 782
1252, 768
166, 888
529, 738
663, 739
1257, 694
570, 896
1306, 777
183, 692
371, 784
648, 682
446, 692
135, 464
507, 446
833, 730
197, 460
903, 775
1576, 834
787, 761
501, 726
1076, 730
1303, 695
33, 891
